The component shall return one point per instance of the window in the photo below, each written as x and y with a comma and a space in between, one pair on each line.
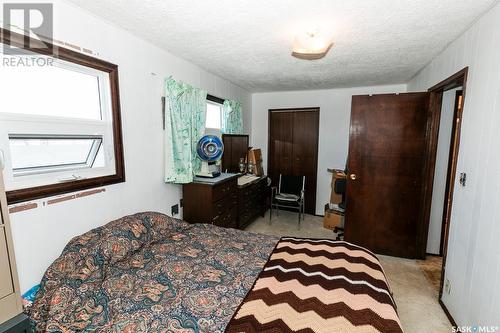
60, 125
214, 115
57, 90
39, 154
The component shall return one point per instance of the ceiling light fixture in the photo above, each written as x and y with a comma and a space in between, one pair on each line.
311, 45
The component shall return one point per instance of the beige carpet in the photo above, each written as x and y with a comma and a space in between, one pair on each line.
415, 295
286, 224
432, 267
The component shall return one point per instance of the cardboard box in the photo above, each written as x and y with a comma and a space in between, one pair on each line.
332, 219
334, 197
255, 157
336, 174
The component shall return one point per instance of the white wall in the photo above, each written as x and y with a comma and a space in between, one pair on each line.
335, 113
40, 234
441, 171
473, 264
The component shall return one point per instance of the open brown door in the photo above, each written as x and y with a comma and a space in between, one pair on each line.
387, 154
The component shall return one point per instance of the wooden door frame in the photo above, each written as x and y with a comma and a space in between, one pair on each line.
458, 79
451, 167
432, 134
315, 109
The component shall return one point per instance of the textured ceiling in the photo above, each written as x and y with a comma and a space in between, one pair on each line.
249, 42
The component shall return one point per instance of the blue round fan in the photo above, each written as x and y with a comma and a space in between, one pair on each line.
210, 148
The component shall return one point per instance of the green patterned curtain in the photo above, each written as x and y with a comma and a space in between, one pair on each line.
232, 122
185, 109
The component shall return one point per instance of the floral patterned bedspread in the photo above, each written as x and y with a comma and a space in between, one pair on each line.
150, 273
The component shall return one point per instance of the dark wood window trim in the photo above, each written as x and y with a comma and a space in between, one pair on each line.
25, 194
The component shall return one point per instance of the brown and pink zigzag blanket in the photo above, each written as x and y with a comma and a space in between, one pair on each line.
314, 285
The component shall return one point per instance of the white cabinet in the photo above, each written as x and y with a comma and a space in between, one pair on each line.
10, 299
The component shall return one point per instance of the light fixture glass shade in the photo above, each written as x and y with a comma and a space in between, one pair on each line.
311, 45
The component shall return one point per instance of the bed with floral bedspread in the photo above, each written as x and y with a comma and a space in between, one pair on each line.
150, 273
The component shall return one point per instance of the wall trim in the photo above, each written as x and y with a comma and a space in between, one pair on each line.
448, 314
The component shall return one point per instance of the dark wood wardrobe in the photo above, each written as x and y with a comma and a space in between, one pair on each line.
293, 148
235, 147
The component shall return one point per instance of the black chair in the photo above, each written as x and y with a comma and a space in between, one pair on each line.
289, 194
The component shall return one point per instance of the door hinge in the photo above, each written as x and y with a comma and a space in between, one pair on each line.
463, 179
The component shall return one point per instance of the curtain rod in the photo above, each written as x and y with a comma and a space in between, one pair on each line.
215, 99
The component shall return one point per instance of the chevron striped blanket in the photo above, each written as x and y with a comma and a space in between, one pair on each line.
324, 286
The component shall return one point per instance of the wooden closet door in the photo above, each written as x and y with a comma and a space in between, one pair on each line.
280, 144
293, 148
304, 155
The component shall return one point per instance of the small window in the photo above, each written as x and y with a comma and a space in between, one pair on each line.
60, 125
214, 114
35, 154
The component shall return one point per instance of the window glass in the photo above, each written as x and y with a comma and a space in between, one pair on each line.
50, 90
35, 155
214, 111
99, 158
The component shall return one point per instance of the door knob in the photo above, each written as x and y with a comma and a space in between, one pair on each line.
353, 176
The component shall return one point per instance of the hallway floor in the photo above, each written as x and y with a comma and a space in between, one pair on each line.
416, 296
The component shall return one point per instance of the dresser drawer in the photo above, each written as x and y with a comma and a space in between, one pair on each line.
246, 192
221, 190
225, 204
227, 219
8, 307
250, 203
244, 219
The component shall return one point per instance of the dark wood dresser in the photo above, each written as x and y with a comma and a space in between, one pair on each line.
220, 201
251, 201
